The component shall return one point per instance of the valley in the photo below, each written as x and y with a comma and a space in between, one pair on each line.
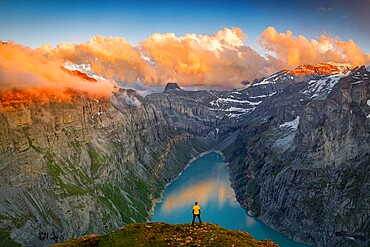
297, 144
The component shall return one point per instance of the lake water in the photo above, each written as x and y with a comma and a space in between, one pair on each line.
207, 182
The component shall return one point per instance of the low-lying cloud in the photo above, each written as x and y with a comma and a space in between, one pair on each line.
219, 60
24, 69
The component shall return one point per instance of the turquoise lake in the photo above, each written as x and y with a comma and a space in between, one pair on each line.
206, 181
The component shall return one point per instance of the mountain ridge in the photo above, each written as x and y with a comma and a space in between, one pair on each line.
91, 165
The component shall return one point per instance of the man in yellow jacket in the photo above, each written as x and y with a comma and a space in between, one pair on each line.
196, 213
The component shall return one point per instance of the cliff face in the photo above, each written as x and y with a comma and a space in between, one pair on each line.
297, 143
92, 165
302, 166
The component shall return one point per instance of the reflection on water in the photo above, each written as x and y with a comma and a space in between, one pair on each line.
214, 190
207, 182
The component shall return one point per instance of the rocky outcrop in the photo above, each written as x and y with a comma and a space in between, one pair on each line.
162, 234
172, 86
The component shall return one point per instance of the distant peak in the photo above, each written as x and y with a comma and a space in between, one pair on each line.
329, 68
172, 86
80, 74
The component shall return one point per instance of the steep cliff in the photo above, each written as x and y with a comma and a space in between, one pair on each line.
92, 165
297, 143
302, 163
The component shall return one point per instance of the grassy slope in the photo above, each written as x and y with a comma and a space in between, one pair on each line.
162, 234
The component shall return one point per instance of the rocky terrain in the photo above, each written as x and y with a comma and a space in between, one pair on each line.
302, 165
162, 234
92, 165
297, 143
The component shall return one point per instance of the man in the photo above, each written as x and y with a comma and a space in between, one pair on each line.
196, 213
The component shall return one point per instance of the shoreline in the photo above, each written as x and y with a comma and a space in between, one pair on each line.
160, 198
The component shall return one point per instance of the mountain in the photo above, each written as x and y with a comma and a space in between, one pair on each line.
80, 74
162, 234
83, 70
92, 165
172, 86
303, 158
297, 144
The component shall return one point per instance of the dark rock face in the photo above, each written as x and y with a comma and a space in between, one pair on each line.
303, 165
172, 86
92, 165
297, 143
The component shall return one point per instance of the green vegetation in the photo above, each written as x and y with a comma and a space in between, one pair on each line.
162, 234
277, 171
5, 239
37, 149
253, 188
55, 172
97, 160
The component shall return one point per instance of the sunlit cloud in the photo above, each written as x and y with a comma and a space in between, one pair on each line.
294, 50
26, 70
220, 60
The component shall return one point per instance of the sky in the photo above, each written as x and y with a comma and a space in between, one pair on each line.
196, 43
34, 23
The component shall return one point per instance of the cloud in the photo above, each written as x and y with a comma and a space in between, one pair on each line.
121, 99
219, 60
294, 50
326, 10
23, 69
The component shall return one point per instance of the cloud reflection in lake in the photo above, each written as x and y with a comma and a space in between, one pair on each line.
215, 190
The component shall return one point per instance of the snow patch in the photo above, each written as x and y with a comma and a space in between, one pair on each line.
270, 80
322, 86
263, 96
148, 60
234, 115
291, 124
231, 100
368, 102
83, 68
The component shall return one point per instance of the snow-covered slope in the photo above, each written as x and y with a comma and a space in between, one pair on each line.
83, 68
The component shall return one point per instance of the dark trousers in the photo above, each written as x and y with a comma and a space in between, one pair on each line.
196, 215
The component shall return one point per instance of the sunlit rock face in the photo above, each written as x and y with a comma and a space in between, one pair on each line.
298, 147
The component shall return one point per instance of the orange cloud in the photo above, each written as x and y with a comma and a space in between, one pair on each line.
296, 50
111, 57
28, 71
218, 60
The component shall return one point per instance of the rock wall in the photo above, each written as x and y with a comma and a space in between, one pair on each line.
91, 165
303, 166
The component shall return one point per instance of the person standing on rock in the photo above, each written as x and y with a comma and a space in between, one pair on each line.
196, 213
